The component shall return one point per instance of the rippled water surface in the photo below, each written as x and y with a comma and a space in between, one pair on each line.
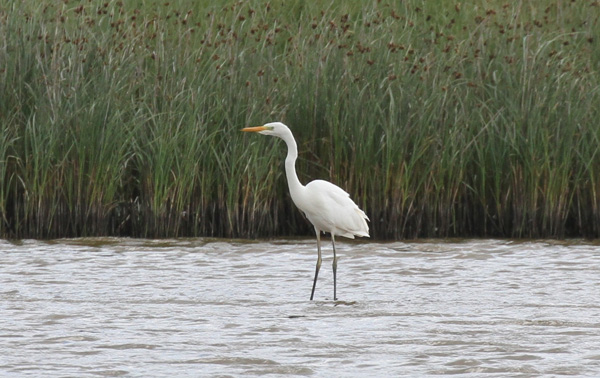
199, 307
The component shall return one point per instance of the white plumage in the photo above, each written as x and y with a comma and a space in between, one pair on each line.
334, 211
327, 206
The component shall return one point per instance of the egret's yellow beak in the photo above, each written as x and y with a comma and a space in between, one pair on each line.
254, 129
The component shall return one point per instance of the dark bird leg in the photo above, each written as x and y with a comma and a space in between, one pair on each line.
318, 263
334, 268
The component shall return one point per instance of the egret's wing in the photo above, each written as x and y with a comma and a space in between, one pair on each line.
332, 210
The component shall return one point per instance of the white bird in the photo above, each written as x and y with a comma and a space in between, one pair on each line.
327, 206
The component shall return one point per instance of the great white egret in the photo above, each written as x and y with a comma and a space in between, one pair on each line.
327, 206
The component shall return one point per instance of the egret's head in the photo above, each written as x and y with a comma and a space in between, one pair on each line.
277, 129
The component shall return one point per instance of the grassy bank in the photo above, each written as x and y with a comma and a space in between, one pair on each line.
440, 119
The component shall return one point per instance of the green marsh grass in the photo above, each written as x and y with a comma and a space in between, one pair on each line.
440, 118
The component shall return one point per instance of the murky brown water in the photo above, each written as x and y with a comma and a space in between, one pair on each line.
111, 307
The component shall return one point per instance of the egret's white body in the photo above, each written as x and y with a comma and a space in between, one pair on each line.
327, 206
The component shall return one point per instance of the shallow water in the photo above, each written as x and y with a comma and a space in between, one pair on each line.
205, 307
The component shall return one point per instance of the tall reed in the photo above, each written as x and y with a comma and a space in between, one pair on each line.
441, 119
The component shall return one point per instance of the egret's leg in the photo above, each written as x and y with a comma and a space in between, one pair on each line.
318, 263
334, 267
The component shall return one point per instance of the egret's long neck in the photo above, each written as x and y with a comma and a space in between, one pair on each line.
290, 168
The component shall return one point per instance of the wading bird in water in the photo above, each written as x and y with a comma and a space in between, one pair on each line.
327, 206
